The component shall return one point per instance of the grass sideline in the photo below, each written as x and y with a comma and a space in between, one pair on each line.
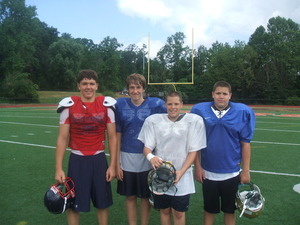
27, 145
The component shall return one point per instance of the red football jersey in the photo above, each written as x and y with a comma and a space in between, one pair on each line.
87, 125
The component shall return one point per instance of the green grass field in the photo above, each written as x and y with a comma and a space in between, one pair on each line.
27, 148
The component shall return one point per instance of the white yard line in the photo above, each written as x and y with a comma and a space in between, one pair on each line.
29, 144
28, 124
275, 143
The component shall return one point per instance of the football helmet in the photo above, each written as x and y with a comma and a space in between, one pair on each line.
249, 200
59, 197
161, 179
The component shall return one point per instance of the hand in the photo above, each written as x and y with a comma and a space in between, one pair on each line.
245, 176
199, 174
156, 162
110, 174
60, 176
119, 173
179, 174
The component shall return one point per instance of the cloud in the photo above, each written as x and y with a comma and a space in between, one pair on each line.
154, 10
212, 20
155, 46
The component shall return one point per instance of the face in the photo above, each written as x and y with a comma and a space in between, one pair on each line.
221, 97
136, 92
88, 88
173, 105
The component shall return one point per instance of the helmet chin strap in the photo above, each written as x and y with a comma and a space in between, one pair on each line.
248, 196
65, 204
244, 207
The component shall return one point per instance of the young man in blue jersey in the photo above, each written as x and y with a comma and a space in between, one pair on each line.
226, 161
132, 165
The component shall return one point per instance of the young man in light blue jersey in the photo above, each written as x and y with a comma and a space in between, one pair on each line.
132, 165
226, 161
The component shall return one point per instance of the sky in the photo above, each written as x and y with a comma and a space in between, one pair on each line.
136, 21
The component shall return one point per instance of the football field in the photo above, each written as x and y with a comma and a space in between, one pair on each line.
27, 163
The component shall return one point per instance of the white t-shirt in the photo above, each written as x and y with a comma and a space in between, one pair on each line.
173, 141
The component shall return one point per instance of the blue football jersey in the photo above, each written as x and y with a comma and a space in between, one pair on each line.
130, 119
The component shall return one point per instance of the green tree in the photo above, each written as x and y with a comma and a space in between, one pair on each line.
39, 67
90, 53
109, 64
278, 59
24, 42
130, 62
19, 88
174, 57
66, 55
16, 42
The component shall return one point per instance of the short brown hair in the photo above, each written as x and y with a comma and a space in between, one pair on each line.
136, 79
88, 74
174, 94
222, 84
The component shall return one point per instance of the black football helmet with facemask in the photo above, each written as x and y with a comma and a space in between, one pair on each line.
59, 197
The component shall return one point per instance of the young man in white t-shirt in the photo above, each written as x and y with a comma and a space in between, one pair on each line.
175, 137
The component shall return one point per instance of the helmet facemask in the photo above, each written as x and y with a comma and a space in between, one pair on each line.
162, 179
249, 200
59, 197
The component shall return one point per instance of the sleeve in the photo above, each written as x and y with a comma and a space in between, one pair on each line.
147, 134
110, 115
195, 110
197, 135
247, 130
64, 116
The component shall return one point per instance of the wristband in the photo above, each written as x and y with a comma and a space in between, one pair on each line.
150, 156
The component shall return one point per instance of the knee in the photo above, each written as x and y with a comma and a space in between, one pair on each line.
178, 215
165, 212
131, 198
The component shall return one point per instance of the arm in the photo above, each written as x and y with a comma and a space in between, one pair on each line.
154, 160
61, 146
246, 154
118, 167
112, 145
187, 164
199, 173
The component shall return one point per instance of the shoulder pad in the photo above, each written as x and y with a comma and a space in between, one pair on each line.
64, 103
109, 101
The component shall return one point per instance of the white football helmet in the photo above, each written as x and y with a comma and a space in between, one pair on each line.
249, 200
161, 179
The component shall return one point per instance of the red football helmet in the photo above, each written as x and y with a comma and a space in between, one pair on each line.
59, 197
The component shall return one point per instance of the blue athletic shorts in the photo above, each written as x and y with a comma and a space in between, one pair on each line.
179, 203
134, 184
89, 176
220, 195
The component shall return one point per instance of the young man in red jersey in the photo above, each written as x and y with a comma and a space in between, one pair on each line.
84, 121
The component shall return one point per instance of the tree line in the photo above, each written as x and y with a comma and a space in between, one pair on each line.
34, 56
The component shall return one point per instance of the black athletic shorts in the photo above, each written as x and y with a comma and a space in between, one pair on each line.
179, 203
134, 184
220, 195
89, 176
